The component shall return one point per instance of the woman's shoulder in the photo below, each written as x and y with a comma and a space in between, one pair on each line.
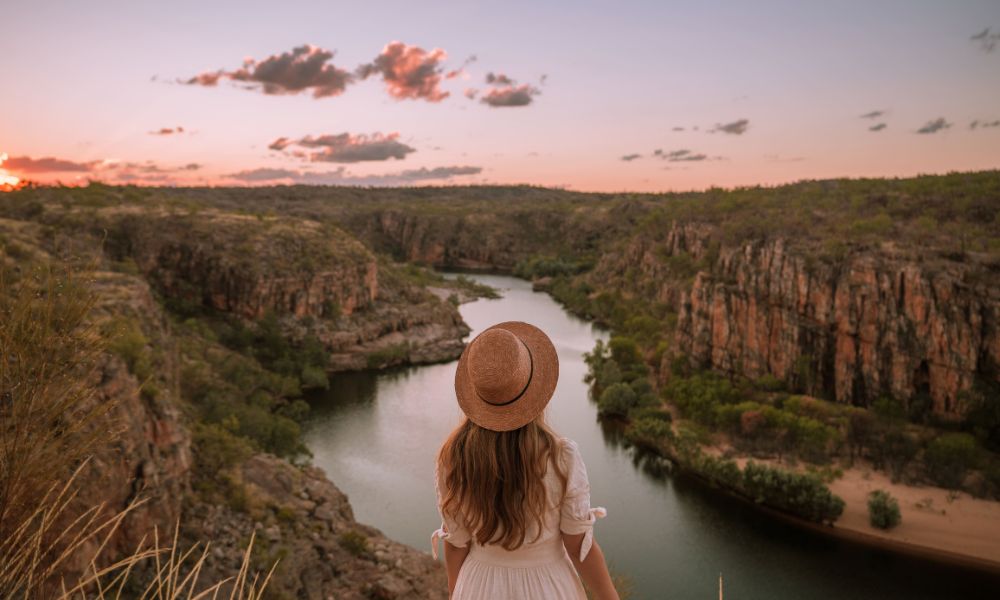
566, 443
569, 451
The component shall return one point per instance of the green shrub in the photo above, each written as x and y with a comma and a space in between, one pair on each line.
879, 225
883, 510
889, 409
644, 328
392, 355
803, 495
313, 377
129, 342
609, 374
700, 395
625, 351
769, 383
547, 266
354, 542
895, 451
617, 400
649, 433
651, 411
861, 431
217, 449
949, 457
982, 416
719, 470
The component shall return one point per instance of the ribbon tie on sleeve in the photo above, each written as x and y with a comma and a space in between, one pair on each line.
440, 534
596, 513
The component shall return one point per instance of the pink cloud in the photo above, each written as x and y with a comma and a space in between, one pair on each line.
48, 164
167, 131
110, 171
409, 72
347, 148
341, 177
510, 95
499, 79
305, 68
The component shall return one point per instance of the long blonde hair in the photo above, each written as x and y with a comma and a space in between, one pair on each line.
493, 481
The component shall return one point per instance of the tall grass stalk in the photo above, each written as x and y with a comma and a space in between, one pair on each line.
52, 421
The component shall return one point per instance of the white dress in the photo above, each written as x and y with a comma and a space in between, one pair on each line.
538, 569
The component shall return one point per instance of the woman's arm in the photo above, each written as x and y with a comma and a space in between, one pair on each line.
593, 570
453, 559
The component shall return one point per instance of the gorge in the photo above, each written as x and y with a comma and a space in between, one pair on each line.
228, 306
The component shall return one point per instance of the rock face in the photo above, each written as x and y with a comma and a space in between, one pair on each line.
311, 276
151, 454
316, 278
875, 323
248, 266
302, 521
306, 523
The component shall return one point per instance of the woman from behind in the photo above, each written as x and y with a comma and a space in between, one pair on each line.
513, 496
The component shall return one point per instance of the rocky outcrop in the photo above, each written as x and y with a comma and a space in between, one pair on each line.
248, 266
316, 278
307, 525
151, 455
874, 323
302, 521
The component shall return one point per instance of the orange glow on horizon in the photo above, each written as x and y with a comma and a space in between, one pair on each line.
8, 182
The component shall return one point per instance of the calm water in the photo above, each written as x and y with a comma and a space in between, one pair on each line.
376, 436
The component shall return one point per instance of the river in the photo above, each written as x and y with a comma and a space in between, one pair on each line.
376, 436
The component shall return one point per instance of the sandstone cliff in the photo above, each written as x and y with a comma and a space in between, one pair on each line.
150, 457
299, 516
315, 277
303, 522
875, 321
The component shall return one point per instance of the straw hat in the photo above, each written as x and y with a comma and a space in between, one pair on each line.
506, 376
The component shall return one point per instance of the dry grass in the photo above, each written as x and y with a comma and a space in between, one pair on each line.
32, 557
51, 422
50, 415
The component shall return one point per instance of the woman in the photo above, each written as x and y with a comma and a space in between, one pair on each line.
513, 496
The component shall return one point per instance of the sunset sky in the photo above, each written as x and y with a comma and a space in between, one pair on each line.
603, 96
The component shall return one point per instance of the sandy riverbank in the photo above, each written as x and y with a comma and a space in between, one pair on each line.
936, 523
934, 520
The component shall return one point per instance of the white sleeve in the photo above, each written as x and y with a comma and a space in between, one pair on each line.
451, 530
576, 515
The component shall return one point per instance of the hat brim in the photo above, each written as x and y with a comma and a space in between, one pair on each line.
545, 374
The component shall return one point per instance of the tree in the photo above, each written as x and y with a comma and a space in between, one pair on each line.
860, 432
883, 510
949, 458
896, 452
616, 400
982, 416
